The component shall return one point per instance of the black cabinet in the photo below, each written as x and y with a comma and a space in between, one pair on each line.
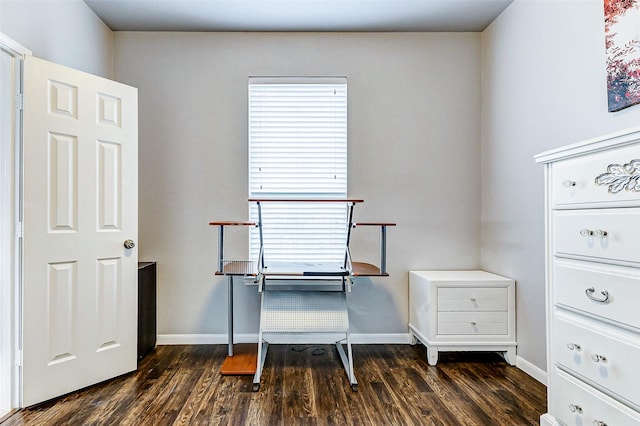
146, 308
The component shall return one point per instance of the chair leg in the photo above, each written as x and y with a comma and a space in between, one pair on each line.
347, 362
262, 355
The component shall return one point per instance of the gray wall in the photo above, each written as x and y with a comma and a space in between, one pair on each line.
544, 87
66, 32
414, 138
417, 106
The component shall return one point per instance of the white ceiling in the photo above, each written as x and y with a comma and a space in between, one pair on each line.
298, 15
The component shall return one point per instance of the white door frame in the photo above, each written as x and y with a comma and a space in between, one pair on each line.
10, 230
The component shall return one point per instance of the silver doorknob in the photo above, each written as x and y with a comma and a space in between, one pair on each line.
129, 244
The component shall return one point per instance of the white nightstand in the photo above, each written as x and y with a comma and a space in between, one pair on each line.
462, 311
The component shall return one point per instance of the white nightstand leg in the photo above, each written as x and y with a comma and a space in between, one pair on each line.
432, 355
414, 339
510, 356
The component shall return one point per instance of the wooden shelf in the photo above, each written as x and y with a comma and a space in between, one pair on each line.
363, 269
245, 268
243, 362
303, 200
232, 223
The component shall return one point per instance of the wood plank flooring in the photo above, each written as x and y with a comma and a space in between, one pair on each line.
304, 385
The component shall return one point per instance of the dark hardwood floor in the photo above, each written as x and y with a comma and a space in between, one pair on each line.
181, 385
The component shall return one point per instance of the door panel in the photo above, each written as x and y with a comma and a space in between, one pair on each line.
63, 182
80, 205
61, 305
109, 190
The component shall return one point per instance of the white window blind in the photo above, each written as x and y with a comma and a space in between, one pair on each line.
298, 149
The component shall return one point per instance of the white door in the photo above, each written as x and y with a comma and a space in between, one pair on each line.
80, 193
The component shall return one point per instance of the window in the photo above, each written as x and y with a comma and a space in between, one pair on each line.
298, 150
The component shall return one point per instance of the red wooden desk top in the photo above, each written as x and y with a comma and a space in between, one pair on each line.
232, 222
303, 200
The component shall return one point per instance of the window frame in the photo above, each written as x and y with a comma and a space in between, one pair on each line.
290, 238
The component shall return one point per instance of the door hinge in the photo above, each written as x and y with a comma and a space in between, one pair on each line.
19, 229
18, 358
19, 102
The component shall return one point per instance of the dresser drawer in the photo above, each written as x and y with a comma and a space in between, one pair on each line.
611, 234
454, 299
576, 404
600, 354
573, 181
573, 280
473, 323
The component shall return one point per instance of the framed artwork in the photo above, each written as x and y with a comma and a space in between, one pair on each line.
622, 41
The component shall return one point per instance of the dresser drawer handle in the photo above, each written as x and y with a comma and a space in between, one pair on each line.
594, 233
619, 177
598, 358
473, 323
586, 232
600, 233
568, 183
598, 423
573, 346
575, 408
605, 295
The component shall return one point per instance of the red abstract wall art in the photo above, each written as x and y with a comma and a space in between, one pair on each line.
622, 41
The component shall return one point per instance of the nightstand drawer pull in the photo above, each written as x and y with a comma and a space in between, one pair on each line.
575, 408
568, 183
598, 358
573, 346
605, 295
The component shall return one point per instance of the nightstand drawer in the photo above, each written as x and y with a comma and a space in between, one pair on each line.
574, 180
610, 234
457, 299
472, 323
602, 356
611, 292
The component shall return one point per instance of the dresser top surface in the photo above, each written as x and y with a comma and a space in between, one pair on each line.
459, 275
600, 143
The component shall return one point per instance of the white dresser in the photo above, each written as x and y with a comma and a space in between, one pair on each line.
462, 311
593, 281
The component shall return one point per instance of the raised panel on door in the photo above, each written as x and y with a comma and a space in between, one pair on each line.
63, 182
109, 185
80, 205
109, 290
62, 309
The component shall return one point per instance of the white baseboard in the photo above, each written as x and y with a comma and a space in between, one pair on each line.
202, 339
547, 420
532, 370
221, 339
356, 339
